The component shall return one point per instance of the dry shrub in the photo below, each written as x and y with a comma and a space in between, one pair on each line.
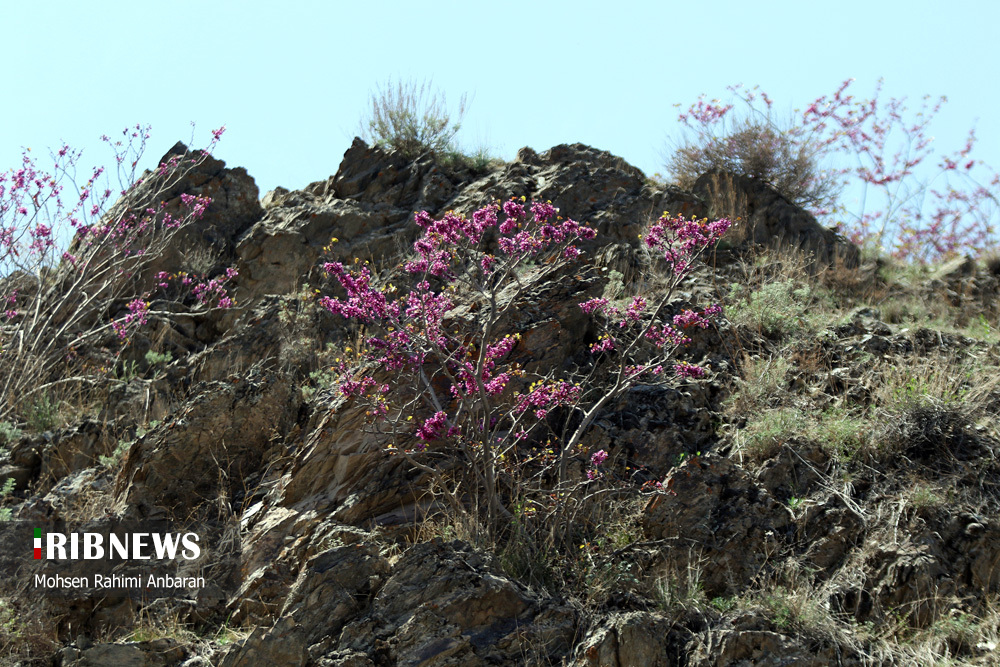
759, 149
991, 262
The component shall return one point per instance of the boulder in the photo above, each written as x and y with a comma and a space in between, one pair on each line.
764, 217
627, 639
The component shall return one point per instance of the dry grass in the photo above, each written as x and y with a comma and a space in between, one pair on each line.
761, 384
678, 589
25, 639
779, 295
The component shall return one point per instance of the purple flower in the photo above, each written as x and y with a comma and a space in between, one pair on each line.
514, 211
543, 212
686, 370
432, 428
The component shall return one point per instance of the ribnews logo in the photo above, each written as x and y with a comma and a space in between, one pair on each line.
111, 557
126, 546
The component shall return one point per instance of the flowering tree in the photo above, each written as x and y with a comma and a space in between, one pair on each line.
440, 380
919, 204
58, 300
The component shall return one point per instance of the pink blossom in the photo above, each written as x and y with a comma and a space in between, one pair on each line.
543, 212
433, 427
686, 370
593, 305
604, 344
514, 211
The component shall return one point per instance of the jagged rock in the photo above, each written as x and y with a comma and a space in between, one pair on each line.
586, 184
72, 449
208, 244
372, 174
205, 246
48, 457
758, 647
831, 530
944, 558
24, 460
21, 475
438, 603
326, 573
228, 425
345, 659
343, 468
444, 603
334, 587
78, 494
718, 521
282, 252
288, 330
276, 544
140, 401
656, 426
957, 269
369, 205
284, 643
155, 653
624, 640
767, 218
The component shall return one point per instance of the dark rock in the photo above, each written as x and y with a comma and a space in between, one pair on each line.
717, 522
767, 218
206, 450
623, 640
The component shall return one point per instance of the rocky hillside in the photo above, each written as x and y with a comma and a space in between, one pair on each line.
829, 490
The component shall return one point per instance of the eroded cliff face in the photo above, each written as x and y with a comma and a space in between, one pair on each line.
330, 551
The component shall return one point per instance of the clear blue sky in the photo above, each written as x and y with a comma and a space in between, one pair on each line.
291, 80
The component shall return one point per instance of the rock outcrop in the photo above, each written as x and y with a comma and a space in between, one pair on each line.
327, 549
765, 217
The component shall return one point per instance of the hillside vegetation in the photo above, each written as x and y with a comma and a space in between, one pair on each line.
826, 492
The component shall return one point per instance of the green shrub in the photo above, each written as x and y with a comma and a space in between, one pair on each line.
776, 309
411, 118
771, 430
157, 358
5, 492
43, 414
762, 380
840, 433
8, 433
117, 455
